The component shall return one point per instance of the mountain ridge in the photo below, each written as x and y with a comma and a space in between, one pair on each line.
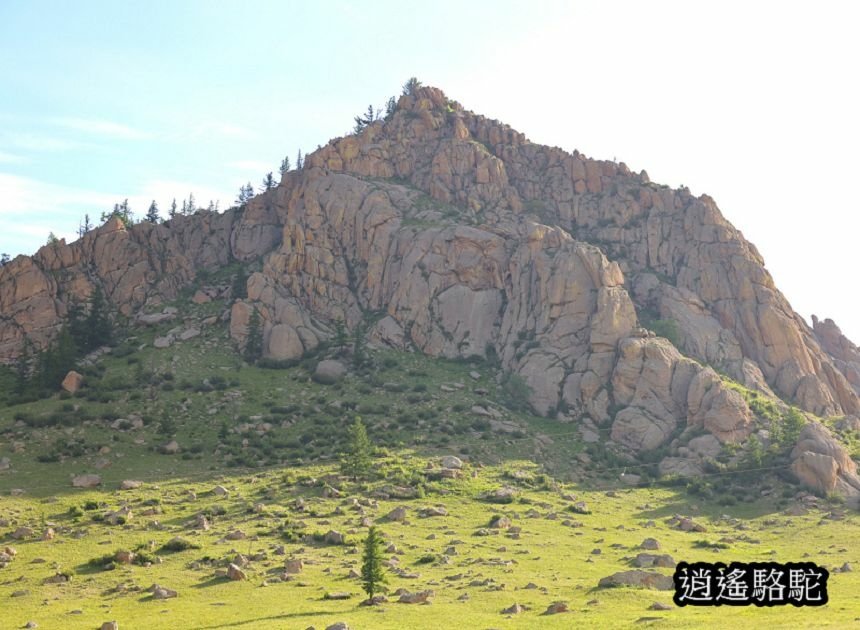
451, 233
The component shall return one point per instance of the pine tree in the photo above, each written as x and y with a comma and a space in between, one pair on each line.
356, 461
390, 108
192, 208
152, 213
268, 182
85, 225
300, 161
410, 86
254, 342
340, 337
285, 165
360, 357
372, 571
52, 238
172, 212
22, 371
246, 192
121, 211
77, 323
57, 360
239, 290
99, 329
363, 121
4, 259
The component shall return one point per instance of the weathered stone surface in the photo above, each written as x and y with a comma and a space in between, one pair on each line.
293, 565
845, 354
638, 578
235, 573
822, 463
164, 593
86, 481
329, 371
398, 514
648, 560
73, 381
452, 462
661, 389
171, 448
556, 608
421, 597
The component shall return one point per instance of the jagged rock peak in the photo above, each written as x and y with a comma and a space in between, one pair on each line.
469, 236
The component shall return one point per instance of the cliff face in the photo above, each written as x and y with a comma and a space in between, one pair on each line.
457, 236
131, 265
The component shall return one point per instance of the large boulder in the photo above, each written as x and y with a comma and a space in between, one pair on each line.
86, 481
72, 382
638, 578
329, 372
822, 463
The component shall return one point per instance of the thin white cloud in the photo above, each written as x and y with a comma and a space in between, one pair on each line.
11, 158
39, 142
30, 209
104, 128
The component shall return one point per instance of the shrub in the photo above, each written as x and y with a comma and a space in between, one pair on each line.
178, 544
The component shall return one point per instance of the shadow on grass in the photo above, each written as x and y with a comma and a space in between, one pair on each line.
252, 622
684, 504
213, 581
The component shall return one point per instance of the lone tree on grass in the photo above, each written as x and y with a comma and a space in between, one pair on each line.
372, 575
356, 460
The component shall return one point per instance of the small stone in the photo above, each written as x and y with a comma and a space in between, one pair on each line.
556, 608
235, 573
86, 481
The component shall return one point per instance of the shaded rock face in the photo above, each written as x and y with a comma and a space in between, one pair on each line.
471, 240
823, 464
845, 355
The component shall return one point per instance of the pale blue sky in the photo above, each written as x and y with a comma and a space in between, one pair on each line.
753, 103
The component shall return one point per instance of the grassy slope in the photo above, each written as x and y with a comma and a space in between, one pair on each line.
406, 408
549, 554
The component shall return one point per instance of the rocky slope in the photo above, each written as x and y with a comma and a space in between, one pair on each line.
453, 234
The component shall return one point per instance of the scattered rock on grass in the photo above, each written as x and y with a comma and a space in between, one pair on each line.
86, 481
638, 578
515, 609
556, 608
420, 597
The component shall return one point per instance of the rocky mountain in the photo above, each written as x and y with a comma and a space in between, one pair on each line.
449, 233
